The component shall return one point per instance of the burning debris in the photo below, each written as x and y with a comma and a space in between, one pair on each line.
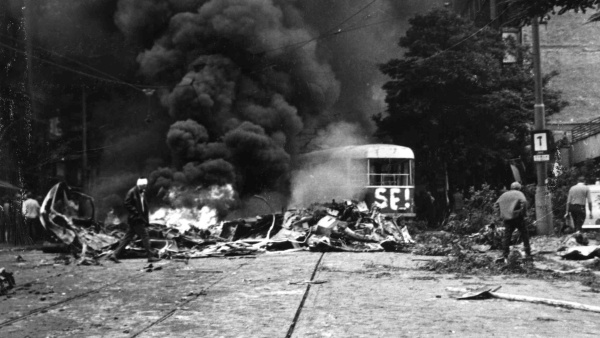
195, 231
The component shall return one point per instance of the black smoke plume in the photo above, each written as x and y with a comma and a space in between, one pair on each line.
239, 95
269, 73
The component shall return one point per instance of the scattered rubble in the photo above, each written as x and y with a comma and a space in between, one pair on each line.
348, 226
7, 281
579, 252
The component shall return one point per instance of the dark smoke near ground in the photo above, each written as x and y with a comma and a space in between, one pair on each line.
241, 86
240, 99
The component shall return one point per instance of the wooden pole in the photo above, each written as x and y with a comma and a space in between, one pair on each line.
493, 13
543, 203
553, 302
84, 159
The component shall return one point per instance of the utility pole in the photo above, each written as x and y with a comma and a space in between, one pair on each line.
493, 13
84, 159
28, 17
543, 203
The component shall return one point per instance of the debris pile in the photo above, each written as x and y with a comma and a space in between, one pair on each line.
348, 226
7, 281
576, 247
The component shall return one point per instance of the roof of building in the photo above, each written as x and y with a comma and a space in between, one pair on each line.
364, 151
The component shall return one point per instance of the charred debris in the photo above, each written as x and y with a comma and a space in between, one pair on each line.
348, 226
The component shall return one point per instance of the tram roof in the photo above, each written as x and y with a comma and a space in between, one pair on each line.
364, 151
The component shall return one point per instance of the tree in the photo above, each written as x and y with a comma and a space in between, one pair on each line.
527, 9
456, 104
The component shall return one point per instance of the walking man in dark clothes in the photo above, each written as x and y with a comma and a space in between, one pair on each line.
513, 205
137, 207
576, 200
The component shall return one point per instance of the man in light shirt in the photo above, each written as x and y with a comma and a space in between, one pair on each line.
31, 212
576, 200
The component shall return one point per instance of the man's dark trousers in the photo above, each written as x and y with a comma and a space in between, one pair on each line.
509, 227
138, 228
578, 214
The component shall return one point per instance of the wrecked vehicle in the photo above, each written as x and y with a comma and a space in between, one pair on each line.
69, 215
348, 226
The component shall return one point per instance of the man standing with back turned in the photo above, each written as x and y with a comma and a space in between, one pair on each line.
31, 213
578, 194
513, 205
138, 219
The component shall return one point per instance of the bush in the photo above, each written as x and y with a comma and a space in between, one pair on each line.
479, 211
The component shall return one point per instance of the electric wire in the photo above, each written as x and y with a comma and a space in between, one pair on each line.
141, 88
327, 32
74, 61
73, 70
297, 45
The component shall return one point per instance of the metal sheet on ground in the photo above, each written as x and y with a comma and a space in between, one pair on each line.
370, 294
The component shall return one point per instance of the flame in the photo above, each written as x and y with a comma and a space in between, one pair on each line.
184, 219
200, 217
222, 192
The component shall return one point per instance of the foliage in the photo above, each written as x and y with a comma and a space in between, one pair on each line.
466, 263
559, 188
438, 243
479, 211
523, 10
416, 226
454, 102
463, 262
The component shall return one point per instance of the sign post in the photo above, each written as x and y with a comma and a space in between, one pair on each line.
539, 140
543, 203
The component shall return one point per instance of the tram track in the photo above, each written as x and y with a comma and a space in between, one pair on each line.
195, 296
187, 298
301, 305
69, 299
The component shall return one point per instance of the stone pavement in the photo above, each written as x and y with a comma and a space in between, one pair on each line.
351, 295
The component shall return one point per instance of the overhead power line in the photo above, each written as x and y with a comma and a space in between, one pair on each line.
114, 78
68, 68
335, 30
327, 33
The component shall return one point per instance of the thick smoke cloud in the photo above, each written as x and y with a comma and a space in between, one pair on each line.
241, 96
261, 162
186, 139
360, 43
252, 75
227, 72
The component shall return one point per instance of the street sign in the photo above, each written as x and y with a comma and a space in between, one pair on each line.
541, 151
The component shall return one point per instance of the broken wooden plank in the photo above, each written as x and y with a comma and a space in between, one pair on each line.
553, 302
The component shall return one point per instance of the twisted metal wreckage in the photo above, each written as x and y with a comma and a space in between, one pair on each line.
348, 226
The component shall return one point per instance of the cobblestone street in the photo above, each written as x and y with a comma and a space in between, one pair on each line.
351, 295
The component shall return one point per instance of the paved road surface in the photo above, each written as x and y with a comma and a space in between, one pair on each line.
352, 295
